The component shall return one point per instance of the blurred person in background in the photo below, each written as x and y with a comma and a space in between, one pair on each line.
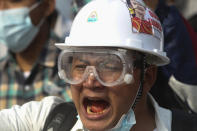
67, 9
77, 5
176, 84
179, 4
3, 52
30, 71
64, 18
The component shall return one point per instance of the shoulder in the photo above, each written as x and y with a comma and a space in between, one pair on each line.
30, 116
183, 121
52, 100
46, 103
173, 120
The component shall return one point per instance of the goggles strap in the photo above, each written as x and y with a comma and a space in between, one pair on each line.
140, 89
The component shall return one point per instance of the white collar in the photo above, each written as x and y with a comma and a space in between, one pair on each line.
163, 118
78, 126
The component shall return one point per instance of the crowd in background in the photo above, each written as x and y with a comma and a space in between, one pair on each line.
176, 86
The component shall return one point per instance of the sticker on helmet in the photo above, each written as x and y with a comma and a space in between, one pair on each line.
143, 20
93, 17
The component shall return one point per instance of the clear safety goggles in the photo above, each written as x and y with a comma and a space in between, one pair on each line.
110, 67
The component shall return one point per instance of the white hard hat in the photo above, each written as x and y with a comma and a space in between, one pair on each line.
118, 23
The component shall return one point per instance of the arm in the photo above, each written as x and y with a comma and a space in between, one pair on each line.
177, 43
29, 117
179, 47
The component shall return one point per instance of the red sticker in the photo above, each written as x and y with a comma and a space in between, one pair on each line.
143, 20
141, 26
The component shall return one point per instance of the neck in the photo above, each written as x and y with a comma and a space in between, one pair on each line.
27, 58
145, 116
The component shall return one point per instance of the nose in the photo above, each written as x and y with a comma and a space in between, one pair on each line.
91, 82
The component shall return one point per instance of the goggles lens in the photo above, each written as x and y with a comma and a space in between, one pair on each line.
107, 68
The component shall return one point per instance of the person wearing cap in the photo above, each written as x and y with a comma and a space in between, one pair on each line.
110, 61
29, 72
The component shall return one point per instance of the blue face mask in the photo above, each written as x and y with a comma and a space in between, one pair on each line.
16, 28
126, 122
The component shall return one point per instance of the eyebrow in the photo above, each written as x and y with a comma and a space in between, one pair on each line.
84, 61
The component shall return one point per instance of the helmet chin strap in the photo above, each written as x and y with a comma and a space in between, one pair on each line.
140, 89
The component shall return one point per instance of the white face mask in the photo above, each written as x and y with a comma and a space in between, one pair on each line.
16, 28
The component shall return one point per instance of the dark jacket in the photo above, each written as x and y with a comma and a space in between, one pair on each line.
181, 48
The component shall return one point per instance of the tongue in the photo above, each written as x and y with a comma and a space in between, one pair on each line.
98, 106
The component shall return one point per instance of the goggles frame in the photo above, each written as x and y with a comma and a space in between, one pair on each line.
123, 54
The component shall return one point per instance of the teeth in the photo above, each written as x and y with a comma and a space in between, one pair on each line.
89, 111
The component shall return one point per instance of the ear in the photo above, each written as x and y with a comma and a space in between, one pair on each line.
149, 78
50, 4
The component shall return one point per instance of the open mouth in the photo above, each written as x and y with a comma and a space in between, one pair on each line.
95, 107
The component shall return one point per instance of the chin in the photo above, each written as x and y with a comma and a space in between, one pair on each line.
98, 125
95, 126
